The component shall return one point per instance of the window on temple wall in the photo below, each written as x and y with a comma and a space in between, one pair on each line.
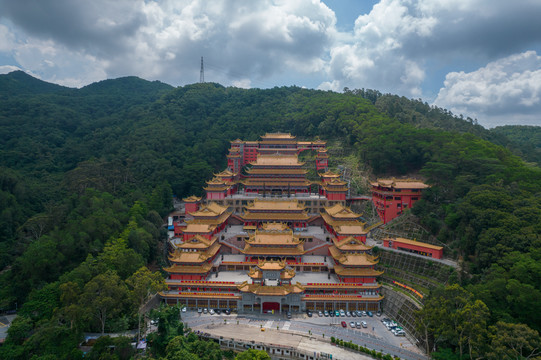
414, 198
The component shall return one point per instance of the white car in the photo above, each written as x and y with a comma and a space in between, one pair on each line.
364, 324
211, 311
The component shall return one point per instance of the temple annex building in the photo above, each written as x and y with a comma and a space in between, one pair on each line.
266, 238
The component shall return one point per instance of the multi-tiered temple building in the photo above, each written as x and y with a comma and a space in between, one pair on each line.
265, 237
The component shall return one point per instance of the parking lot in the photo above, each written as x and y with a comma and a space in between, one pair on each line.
375, 335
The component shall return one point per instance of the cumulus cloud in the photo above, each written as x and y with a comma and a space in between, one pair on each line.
505, 91
374, 58
164, 40
401, 43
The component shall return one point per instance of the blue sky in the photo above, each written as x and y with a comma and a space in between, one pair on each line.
479, 58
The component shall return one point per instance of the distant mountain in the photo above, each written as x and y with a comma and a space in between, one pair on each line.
20, 83
131, 85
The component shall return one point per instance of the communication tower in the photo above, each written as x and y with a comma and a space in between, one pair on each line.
202, 72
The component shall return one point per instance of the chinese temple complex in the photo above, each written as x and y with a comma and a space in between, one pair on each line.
266, 238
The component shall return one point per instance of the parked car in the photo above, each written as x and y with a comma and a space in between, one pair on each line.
359, 313
337, 313
342, 313
184, 309
199, 310
354, 314
288, 314
364, 324
352, 324
309, 313
211, 312
331, 313
227, 311
320, 313
344, 324
358, 325
348, 314
378, 313
326, 313
218, 311
205, 310
369, 313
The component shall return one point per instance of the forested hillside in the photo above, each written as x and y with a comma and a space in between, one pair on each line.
87, 175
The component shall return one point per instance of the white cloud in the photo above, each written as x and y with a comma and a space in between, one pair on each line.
7, 39
507, 90
375, 58
401, 44
243, 83
164, 40
6, 69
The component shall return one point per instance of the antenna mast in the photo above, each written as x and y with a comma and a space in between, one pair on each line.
202, 72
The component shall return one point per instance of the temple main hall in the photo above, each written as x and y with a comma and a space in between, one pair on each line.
265, 237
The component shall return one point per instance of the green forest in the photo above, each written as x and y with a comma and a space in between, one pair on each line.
87, 176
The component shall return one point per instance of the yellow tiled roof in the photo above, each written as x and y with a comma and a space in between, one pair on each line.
189, 269
277, 136
179, 256
286, 274
340, 211
271, 265
269, 217
193, 228
275, 226
275, 182
418, 243
362, 259
192, 198
277, 160
209, 210
350, 229
343, 271
400, 183
350, 243
270, 250
280, 290
336, 223
280, 205
196, 242
257, 171
274, 238
329, 173
225, 173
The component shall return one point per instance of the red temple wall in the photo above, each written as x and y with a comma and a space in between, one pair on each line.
191, 207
